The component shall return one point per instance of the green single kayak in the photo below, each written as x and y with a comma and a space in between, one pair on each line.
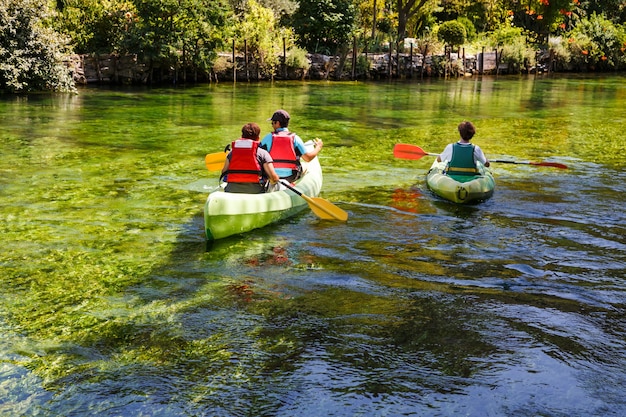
462, 189
227, 214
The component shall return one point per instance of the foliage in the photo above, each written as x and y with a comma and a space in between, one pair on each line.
186, 35
429, 45
408, 10
484, 15
97, 26
324, 25
470, 30
176, 33
513, 48
297, 58
369, 18
559, 52
596, 43
505, 35
614, 10
31, 53
281, 8
543, 17
167, 28
259, 29
452, 33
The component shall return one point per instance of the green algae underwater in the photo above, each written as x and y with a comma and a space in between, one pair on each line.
112, 303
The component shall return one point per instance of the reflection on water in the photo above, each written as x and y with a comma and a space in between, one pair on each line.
110, 301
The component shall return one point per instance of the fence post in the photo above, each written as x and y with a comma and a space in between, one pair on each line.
245, 59
284, 59
389, 68
464, 63
234, 63
482, 61
399, 72
354, 55
411, 61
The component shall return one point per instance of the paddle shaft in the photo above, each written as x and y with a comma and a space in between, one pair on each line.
541, 164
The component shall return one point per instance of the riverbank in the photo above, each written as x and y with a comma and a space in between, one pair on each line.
129, 69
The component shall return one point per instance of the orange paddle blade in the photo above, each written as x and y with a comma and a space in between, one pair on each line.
406, 151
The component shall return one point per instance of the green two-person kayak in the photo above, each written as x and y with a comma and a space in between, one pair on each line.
227, 214
462, 189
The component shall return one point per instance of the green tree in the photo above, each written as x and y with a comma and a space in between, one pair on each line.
542, 17
259, 28
613, 10
324, 25
31, 52
452, 33
179, 33
407, 10
97, 26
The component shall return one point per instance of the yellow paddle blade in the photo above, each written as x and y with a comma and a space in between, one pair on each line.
215, 161
324, 209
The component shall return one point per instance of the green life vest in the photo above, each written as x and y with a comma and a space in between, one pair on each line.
462, 162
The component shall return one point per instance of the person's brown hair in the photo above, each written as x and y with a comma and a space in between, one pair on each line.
250, 131
467, 130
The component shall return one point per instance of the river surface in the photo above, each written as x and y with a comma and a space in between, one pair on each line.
113, 304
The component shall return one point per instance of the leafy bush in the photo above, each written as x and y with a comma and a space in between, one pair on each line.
470, 29
297, 58
561, 55
506, 35
511, 42
31, 54
597, 43
452, 32
258, 27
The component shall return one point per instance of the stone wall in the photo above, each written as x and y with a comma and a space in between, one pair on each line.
128, 69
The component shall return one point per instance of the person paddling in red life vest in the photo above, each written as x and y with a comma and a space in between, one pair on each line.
462, 155
248, 167
286, 148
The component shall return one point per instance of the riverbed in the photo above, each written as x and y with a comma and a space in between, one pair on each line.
113, 303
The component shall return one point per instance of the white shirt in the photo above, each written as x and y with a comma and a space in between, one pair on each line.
446, 155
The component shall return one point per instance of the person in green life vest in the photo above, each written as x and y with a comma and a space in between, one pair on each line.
462, 155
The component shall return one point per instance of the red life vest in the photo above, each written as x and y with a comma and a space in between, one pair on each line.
244, 165
283, 152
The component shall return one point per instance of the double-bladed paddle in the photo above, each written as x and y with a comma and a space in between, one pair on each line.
323, 209
406, 151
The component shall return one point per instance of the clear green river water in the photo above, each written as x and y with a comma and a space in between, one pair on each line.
113, 304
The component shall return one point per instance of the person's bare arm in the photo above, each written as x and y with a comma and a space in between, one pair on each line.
268, 167
313, 153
